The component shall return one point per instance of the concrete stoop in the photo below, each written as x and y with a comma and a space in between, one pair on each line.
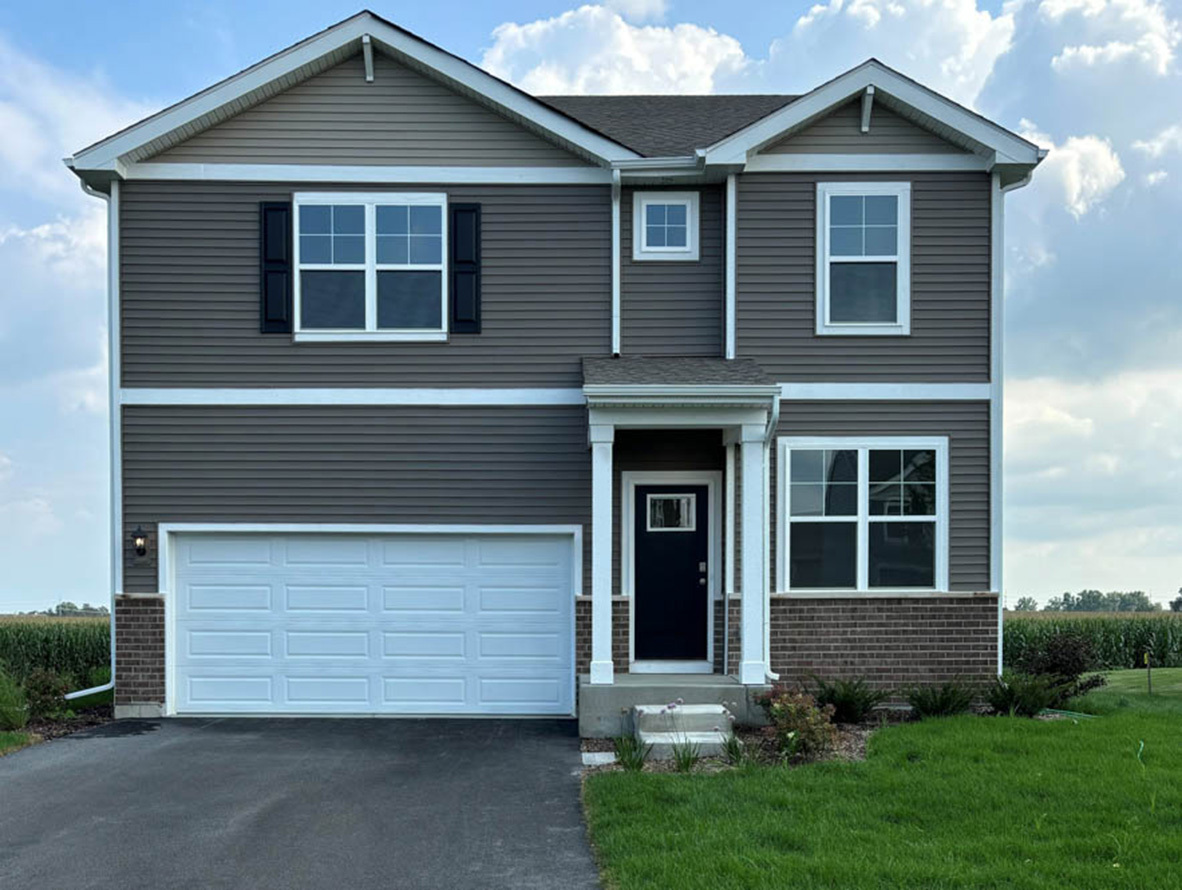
663, 727
606, 711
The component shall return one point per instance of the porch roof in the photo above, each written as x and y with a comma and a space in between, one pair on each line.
673, 371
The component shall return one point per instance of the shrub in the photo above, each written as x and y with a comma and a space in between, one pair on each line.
14, 704
46, 691
941, 700
67, 646
1063, 657
852, 700
630, 754
1023, 695
803, 728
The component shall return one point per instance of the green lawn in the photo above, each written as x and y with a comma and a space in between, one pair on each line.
12, 741
960, 802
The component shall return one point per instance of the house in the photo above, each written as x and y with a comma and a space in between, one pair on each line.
434, 397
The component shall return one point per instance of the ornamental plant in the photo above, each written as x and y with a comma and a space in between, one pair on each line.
804, 729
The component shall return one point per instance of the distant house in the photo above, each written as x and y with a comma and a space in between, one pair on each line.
435, 397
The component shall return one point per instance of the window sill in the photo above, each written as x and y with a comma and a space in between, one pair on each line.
863, 330
687, 256
370, 337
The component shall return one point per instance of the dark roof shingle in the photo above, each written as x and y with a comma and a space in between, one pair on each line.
674, 370
667, 126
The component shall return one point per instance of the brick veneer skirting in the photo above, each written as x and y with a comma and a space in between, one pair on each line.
890, 642
734, 631
620, 617
139, 650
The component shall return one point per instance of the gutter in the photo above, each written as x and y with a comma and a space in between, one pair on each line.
113, 406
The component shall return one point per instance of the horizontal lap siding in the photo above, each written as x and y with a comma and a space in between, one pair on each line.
841, 133
967, 426
674, 308
190, 293
950, 283
402, 117
350, 464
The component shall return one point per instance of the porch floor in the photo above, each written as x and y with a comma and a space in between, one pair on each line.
605, 710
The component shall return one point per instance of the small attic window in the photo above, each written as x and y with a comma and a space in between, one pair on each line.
665, 226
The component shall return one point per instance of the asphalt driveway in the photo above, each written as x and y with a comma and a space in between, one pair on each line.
297, 803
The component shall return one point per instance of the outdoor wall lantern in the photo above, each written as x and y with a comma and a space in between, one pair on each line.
139, 539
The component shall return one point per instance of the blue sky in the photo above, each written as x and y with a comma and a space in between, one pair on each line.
1094, 303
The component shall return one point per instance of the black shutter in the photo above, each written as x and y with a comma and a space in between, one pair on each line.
275, 271
464, 263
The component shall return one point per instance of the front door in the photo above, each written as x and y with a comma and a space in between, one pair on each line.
671, 572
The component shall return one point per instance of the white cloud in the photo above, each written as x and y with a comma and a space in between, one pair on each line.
5, 467
1112, 31
1169, 139
593, 50
1155, 177
640, 10
1080, 173
950, 45
29, 517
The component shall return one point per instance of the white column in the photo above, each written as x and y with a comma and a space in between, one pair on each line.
601, 553
754, 666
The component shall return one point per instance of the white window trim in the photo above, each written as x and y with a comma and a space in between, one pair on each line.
371, 267
693, 512
902, 325
863, 445
641, 252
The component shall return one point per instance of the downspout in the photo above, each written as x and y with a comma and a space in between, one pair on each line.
116, 494
773, 424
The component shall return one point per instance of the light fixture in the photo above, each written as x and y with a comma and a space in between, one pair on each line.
139, 539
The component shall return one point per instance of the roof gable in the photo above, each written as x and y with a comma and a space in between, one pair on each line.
840, 132
401, 117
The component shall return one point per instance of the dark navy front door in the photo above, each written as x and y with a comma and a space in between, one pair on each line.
670, 572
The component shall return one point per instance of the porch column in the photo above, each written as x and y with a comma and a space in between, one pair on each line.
601, 437
753, 666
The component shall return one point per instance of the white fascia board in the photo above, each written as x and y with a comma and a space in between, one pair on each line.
1009, 147
498, 93
890, 392
442, 397
866, 163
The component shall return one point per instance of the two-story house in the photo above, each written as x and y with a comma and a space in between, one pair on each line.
430, 396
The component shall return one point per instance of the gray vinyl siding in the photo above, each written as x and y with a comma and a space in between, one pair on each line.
655, 450
967, 426
674, 308
402, 117
841, 133
527, 465
190, 293
950, 283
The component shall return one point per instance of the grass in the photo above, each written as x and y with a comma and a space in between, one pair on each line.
954, 802
14, 741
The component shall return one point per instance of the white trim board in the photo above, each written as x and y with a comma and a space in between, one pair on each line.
903, 392
358, 396
385, 175
166, 566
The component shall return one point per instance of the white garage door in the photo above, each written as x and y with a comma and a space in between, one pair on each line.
369, 624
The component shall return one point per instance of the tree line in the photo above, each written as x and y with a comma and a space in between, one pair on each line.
1097, 601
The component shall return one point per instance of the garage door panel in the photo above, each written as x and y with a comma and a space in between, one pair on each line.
234, 551
421, 625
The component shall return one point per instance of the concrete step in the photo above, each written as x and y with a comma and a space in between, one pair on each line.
709, 744
681, 718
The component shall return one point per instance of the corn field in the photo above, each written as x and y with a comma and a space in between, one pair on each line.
72, 646
1120, 639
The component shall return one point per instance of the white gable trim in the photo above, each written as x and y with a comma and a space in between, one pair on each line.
1009, 148
401, 44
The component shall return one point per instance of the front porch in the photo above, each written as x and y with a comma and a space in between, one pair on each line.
665, 620
605, 708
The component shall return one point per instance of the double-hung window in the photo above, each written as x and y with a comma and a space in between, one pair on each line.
664, 226
371, 266
864, 258
863, 514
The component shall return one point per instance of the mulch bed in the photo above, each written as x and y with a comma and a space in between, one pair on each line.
83, 719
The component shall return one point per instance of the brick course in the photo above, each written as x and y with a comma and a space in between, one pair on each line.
139, 650
892, 643
620, 618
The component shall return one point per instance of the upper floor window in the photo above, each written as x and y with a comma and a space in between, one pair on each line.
665, 226
370, 266
863, 258
864, 514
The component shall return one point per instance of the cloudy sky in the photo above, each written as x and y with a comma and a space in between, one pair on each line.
1094, 276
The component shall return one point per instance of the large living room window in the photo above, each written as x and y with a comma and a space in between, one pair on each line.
371, 266
864, 258
863, 514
